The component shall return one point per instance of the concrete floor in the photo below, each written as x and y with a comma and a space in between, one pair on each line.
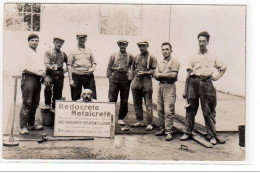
125, 147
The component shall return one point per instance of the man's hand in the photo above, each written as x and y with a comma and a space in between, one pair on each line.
143, 73
54, 67
71, 82
47, 81
90, 71
213, 79
157, 75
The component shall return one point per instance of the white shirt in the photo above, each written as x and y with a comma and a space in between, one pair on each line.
204, 64
32, 61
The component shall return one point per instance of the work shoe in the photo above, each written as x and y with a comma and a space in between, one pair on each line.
23, 131
149, 127
35, 127
120, 122
168, 137
46, 107
138, 124
220, 141
185, 137
213, 141
160, 133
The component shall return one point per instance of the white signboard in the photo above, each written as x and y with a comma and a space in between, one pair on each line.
84, 119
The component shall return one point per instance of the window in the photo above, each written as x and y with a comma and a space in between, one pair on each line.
120, 20
22, 17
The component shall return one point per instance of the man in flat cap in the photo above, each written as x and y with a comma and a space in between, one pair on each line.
33, 70
120, 76
166, 73
81, 66
54, 60
144, 67
200, 87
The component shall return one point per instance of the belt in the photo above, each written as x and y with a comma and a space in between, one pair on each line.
202, 78
167, 82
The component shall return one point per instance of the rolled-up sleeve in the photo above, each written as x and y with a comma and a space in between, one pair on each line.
92, 59
175, 66
71, 58
219, 64
190, 64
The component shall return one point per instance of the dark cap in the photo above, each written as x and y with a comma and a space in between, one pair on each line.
143, 42
82, 35
31, 36
58, 38
122, 41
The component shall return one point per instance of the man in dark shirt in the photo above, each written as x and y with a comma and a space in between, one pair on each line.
53, 60
144, 67
120, 77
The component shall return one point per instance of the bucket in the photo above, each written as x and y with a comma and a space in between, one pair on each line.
241, 131
47, 117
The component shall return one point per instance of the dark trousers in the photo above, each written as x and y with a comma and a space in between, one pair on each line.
31, 88
119, 83
53, 92
138, 96
204, 91
88, 82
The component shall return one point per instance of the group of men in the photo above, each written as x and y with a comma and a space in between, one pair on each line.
124, 71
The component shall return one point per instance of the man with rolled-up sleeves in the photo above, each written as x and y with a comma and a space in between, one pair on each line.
120, 77
81, 66
200, 87
167, 74
54, 60
33, 71
144, 67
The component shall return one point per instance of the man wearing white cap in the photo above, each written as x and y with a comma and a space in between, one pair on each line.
144, 67
54, 60
81, 66
120, 77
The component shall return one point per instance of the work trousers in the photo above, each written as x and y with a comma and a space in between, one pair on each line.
119, 83
204, 91
138, 96
166, 106
53, 91
31, 89
87, 81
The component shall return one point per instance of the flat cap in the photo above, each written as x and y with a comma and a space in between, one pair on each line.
122, 41
31, 36
58, 38
143, 42
82, 35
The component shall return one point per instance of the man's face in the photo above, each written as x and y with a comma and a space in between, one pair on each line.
82, 40
203, 42
122, 46
166, 51
33, 43
86, 97
58, 44
143, 48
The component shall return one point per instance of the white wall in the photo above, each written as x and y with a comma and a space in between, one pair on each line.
225, 24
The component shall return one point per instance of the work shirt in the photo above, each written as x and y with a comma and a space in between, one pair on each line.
81, 60
168, 66
119, 60
32, 61
54, 56
204, 64
141, 64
